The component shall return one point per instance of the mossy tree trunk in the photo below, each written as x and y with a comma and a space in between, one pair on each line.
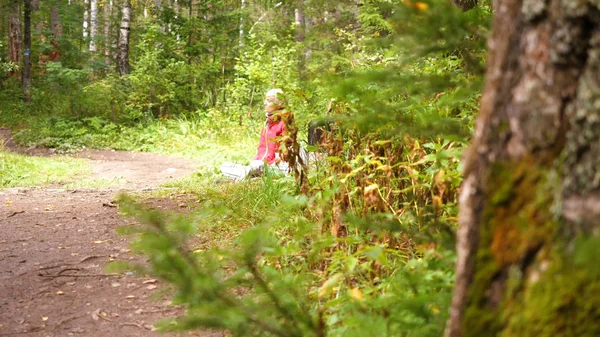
530, 201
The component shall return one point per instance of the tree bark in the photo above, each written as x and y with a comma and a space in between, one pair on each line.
107, 38
242, 35
93, 25
14, 35
300, 35
86, 19
56, 33
27, 51
124, 38
531, 179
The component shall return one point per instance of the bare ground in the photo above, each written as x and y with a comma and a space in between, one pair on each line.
55, 244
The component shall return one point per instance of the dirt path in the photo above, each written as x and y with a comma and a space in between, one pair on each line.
55, 243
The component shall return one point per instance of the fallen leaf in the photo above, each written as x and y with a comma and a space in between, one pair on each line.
356, 294
151, 287
44, 318
150, 281
329, 284
115, 284
129, 297
60, 292
8, 203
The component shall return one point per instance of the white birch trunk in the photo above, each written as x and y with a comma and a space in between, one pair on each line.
93, 24
107, 39
86, 19
124, 38
242, 24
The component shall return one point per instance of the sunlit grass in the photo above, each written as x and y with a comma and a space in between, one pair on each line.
19, 171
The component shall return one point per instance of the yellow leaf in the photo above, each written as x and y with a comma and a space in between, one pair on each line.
329, 284
421, 6
356, 294
60, 292
8, 203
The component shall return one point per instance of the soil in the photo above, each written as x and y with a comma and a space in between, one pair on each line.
55, 244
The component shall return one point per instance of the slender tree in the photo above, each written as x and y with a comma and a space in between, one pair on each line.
124, 38
27, 50
93, 25
14, 34
531, 194
107, 40
86, 19
56, 32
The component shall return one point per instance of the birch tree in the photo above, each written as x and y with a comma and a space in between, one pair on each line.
107, 10
93, 24
124, 38
86, 19
530, 201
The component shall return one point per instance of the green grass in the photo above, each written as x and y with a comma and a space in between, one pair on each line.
19, 171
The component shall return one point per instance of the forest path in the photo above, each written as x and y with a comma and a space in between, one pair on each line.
55, 244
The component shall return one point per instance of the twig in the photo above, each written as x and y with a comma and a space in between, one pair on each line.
82, 275
34, 329
67, 269
15, 213
63, 321
52, 267
89, 258
133, 324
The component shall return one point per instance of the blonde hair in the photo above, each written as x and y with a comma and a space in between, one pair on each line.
275, 96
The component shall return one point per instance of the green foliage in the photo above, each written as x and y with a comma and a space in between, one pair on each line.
366, 249
294, 280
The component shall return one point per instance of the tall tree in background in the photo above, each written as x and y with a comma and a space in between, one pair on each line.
27, 50
107, 6
530, 201
56, 32
86, 19
14, 34
124, 38
93, 25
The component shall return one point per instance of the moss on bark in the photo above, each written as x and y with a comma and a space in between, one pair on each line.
528, 281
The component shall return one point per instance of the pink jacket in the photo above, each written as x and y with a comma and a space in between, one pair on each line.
268, 145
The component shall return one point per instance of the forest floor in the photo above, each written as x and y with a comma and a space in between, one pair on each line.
55, 244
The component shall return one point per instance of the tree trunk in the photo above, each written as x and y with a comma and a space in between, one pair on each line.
55, 34
530, 199
93, 25
107, 38
124, 38
86, 19
14, 35
27, 51
242, 35
300, 35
